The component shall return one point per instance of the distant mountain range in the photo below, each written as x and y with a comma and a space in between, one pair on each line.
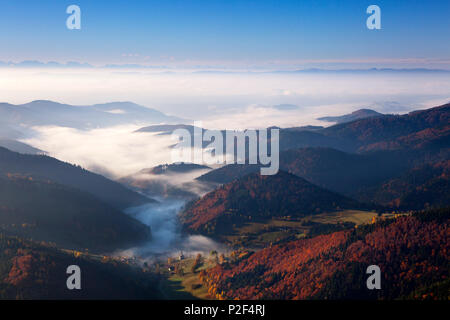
371, 132
398, 162
329, 168
39, 64
376, 132
387, 132
355, 115
43, 112
285, 106
165, 129
195, 132
369, 70
209, 70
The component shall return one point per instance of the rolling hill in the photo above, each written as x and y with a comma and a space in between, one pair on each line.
384, 155
422, 187
44, 112
229, 173
332, 169
19, 147
383, 129
375, 133
383, 178
44, 167
257, 198
360, 132
45, 211
355, 115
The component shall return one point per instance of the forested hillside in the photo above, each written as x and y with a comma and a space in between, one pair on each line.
46, 211
413, 253
256, 197
45, 167
396, 161
365, 134
29, 270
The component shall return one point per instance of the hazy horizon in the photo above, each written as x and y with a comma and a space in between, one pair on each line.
231, 101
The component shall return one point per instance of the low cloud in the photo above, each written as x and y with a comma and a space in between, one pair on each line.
166, 236
115, 151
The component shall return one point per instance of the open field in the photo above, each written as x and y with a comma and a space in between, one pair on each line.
355, 216
186, 284
264, 233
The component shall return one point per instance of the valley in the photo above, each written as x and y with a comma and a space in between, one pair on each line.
165, 155
190, 231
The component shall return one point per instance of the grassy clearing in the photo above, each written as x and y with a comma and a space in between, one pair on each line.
186, 284
355, 216
264, 233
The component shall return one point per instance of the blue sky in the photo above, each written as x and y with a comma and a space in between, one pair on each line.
228, 32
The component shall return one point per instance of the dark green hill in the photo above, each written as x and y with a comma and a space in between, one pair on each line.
381, 177
426, 186
229, 173
46, 211
44, 167
329, 168
355, 115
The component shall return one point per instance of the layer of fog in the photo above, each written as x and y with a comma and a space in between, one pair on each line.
115, 151
179, 185
120, 151
177, 179
231, 100
167, 240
